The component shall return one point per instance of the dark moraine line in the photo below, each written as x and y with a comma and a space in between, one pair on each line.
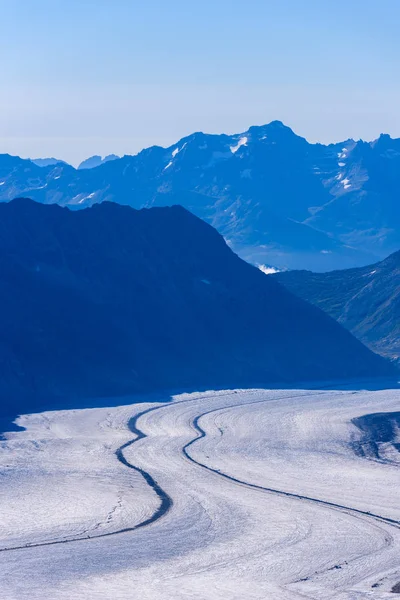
201, 433
166, 501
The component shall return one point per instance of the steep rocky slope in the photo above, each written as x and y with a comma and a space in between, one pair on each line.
365, 300
110, 300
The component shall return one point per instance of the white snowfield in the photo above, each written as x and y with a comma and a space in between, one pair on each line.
256, 494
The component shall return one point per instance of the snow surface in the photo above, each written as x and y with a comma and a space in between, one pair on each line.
268, 270
268, 500
177, 150
242, 142
174, 153
346, 183
87, 197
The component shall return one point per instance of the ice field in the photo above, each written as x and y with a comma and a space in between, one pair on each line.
255, 494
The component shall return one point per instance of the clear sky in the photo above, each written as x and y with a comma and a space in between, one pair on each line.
83, 77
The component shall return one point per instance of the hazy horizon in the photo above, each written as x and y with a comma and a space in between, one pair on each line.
89, 78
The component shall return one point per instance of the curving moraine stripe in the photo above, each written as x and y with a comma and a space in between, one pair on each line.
201, 433
166, 501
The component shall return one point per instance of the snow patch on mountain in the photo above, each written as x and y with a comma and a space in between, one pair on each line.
177, 150
174, 154
346, 183
242, 142
267, 270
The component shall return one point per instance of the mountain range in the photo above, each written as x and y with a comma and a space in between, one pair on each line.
111, 300
275, 197
96, 161
364, 300
47, 162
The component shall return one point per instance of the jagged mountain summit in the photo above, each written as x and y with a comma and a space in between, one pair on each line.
365, 300
96, 161
111, 300
47, 162
276, 198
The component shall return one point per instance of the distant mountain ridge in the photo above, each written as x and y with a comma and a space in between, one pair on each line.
276, 198
365, 300
110, 301
96, 161
47, 162
88, 163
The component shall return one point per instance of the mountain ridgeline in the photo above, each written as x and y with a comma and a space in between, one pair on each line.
365, 300
276, 198
110, 301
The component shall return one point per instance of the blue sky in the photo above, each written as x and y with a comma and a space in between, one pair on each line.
80, 77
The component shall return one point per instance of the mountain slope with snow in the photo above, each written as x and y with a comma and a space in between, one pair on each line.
275, 197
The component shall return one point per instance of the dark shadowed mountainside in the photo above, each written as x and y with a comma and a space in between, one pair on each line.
110, 300
365, 300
